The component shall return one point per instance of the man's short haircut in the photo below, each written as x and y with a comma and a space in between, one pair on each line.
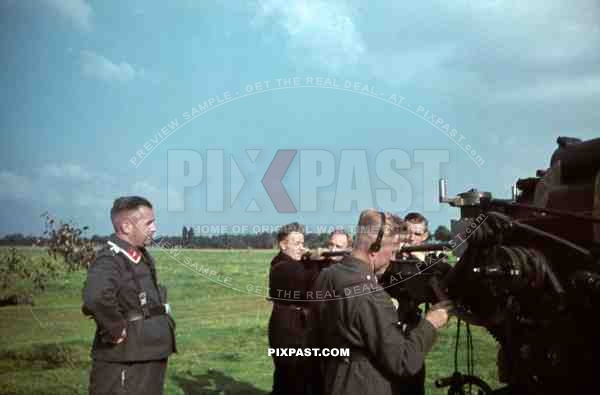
126, 204
416, 218
285, 230
369, 224
342, 232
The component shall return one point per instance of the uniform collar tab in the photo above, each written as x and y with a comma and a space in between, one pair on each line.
130, 252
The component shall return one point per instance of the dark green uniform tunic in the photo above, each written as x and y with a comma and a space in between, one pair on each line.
111, 296
361, 316
289, 280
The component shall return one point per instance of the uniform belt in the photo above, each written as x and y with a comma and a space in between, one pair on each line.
152, 312
286, 302
289, 306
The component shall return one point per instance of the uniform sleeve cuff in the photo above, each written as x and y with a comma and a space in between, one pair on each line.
429, 333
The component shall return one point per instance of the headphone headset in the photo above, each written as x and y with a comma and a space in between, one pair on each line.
376, 246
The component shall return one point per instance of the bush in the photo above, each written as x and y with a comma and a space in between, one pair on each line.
22, 277
67, 242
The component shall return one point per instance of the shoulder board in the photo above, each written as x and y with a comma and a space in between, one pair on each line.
132, 254
104, 252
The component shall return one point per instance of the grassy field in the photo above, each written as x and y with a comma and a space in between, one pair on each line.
221, 332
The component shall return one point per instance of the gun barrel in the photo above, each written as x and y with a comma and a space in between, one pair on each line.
327, 254
427, 247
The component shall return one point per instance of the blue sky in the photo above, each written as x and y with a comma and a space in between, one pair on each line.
86, 84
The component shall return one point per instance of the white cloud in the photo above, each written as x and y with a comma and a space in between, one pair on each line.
539, 46
56, 183
78, 11
99, 67
81, 193
323, 30
549, 30
540, 49
581, 87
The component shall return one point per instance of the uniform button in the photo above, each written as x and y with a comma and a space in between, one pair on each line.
368, 277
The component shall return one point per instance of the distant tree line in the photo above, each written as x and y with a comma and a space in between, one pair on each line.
23, 276
19, 239
188, 239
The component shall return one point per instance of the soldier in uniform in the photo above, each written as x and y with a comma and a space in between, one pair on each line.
289, 279
135, 333
357, 314
418, 231
417, 234
339, 240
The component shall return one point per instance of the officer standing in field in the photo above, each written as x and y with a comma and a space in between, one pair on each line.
359, 315
135, 333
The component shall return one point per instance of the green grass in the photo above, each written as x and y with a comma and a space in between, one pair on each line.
221, 333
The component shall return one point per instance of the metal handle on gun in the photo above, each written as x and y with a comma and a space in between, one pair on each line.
434, 282
459, 313
439, 292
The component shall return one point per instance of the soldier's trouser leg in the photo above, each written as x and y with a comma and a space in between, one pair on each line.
127, 378
281, 379
278, 382
414, 385
290, 376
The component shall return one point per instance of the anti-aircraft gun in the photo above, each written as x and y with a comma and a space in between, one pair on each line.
529, 272
408, 278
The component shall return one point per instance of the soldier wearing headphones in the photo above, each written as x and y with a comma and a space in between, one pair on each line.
357, 314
